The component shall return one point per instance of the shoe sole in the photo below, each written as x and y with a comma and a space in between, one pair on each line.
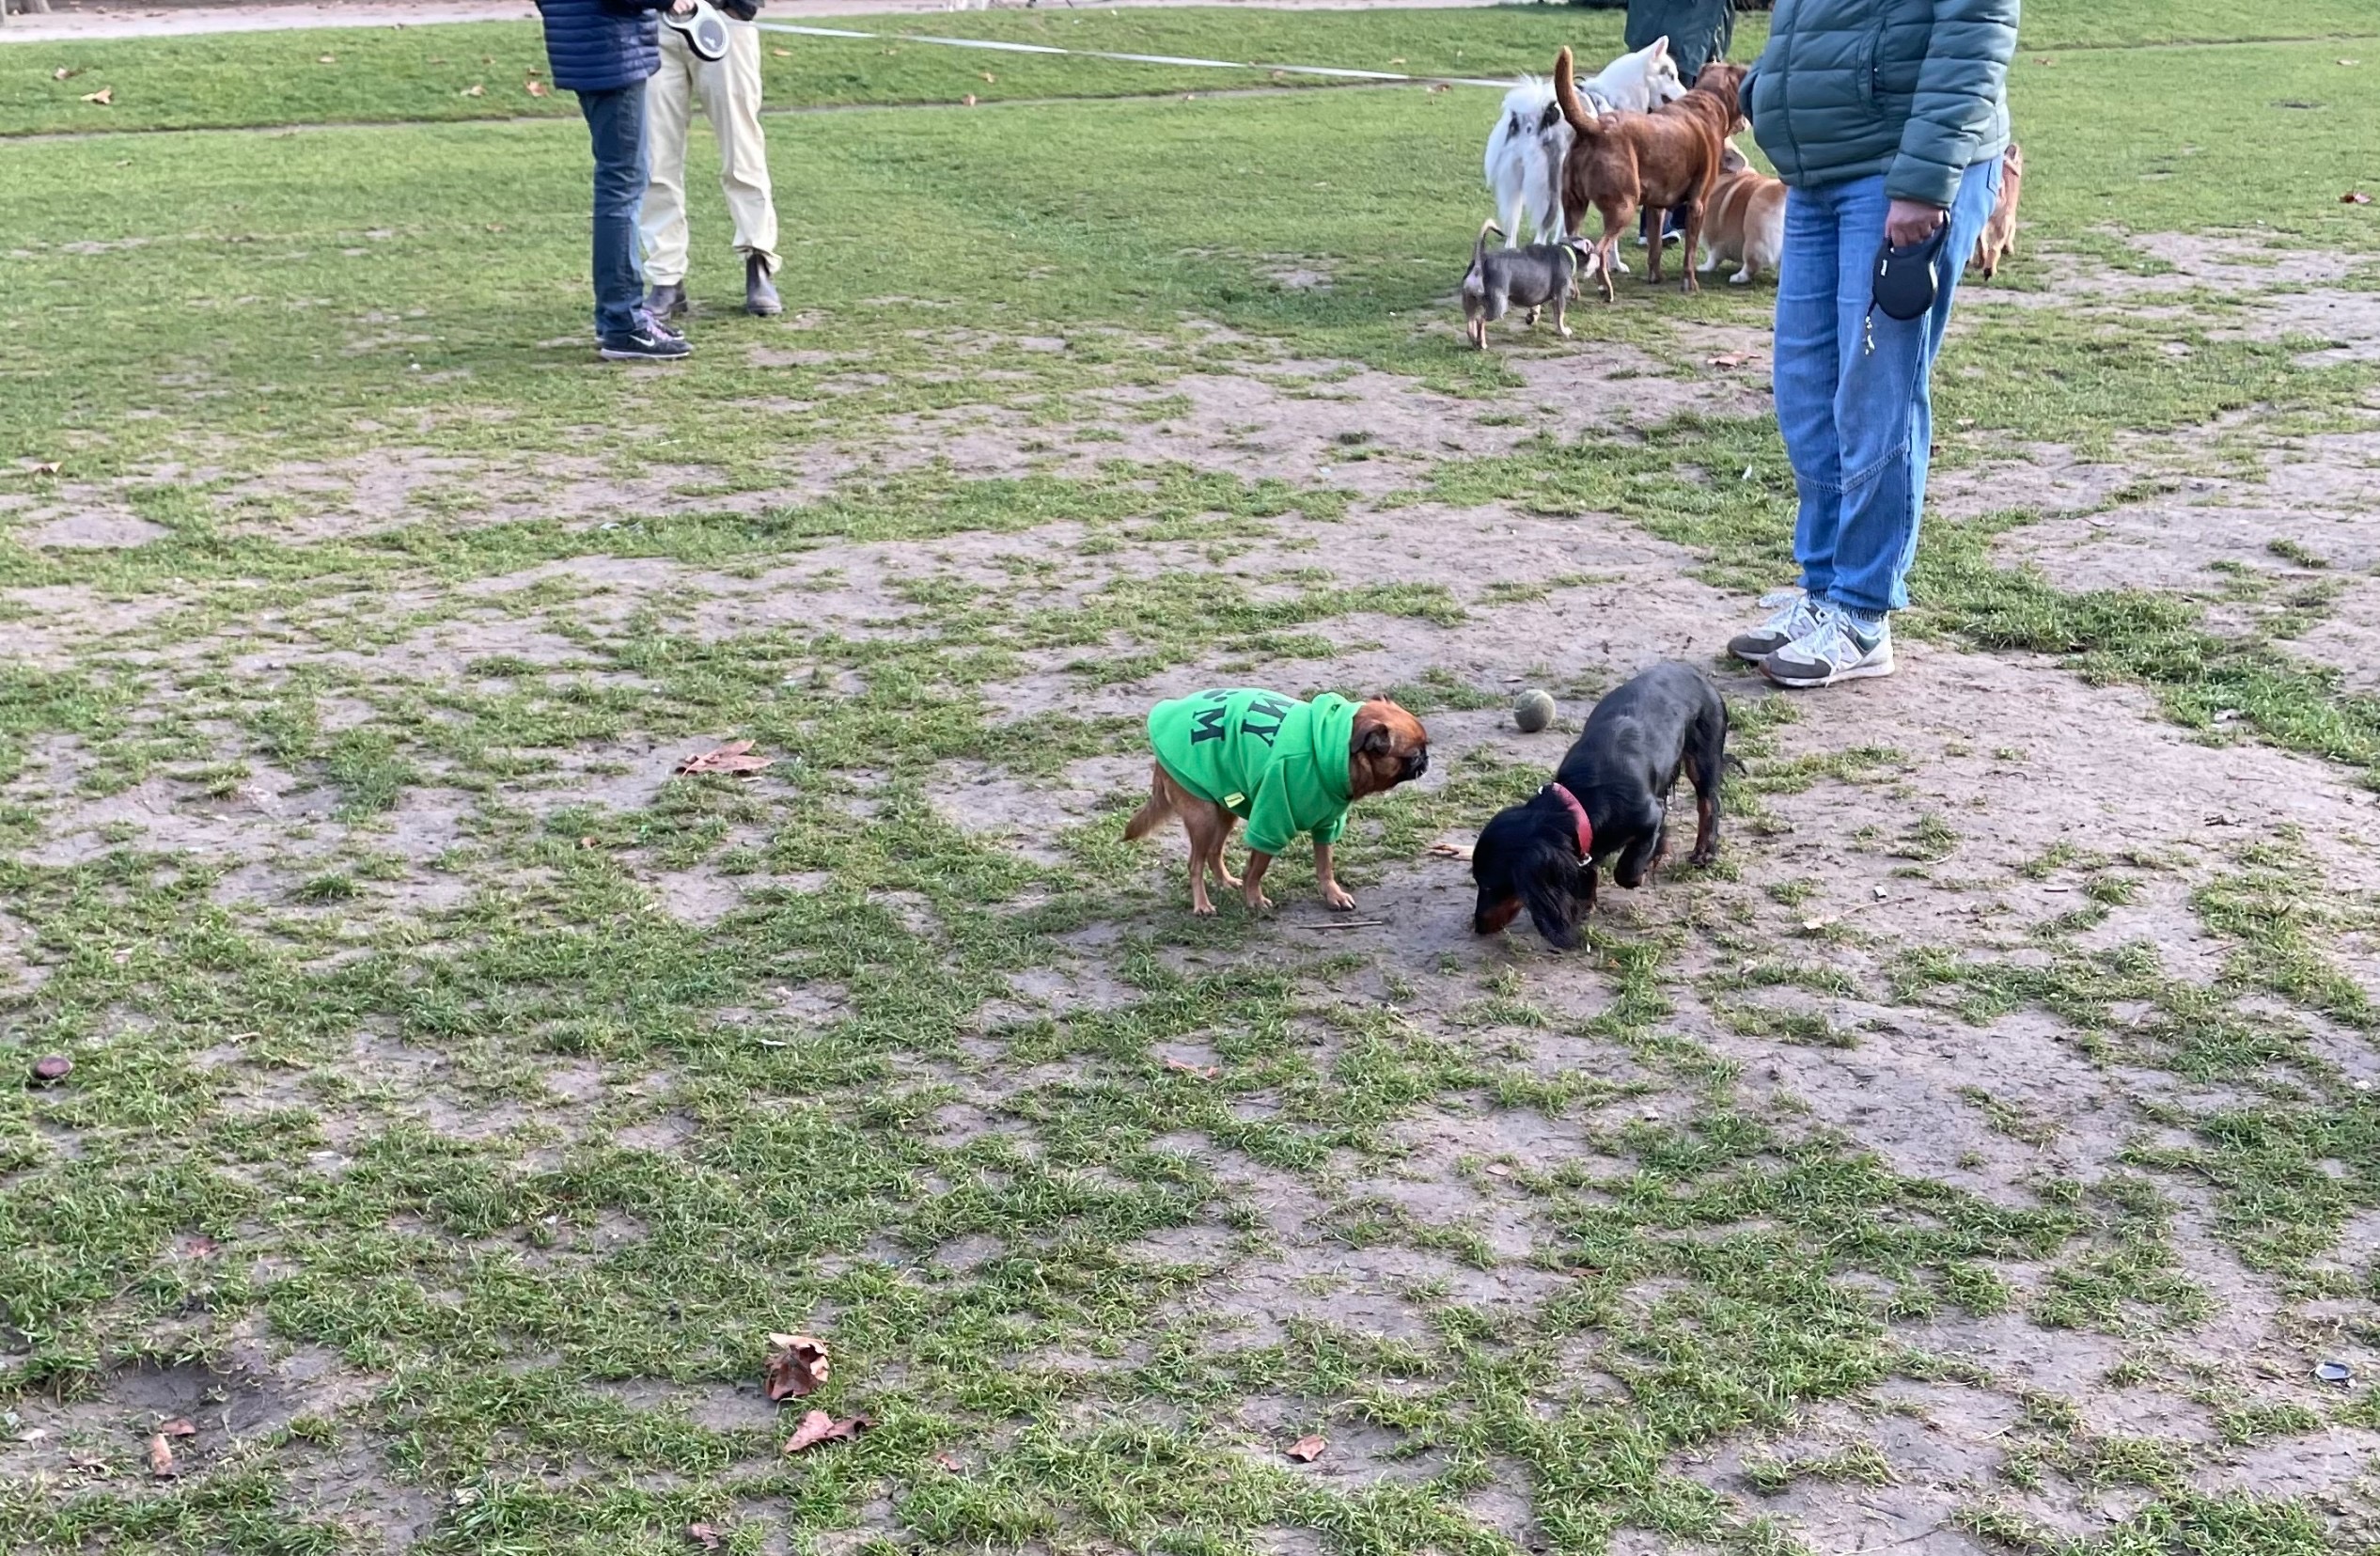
1755, 658
610, 355
763, 314
1857, 672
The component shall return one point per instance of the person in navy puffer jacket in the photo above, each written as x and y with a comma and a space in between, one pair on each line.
605, 50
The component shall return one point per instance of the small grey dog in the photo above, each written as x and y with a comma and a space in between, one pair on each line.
1501, 279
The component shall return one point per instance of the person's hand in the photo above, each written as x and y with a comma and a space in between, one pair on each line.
1912, 222
685, 7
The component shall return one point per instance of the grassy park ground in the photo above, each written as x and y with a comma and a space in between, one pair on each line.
1983, 1157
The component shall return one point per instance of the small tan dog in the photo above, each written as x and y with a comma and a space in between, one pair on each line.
1999, 234
1286, 767
1747, 222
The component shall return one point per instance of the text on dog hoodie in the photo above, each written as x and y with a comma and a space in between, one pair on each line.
1277, 763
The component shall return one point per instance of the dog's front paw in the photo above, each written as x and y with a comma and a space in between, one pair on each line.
1568, 331
1258, 902
1202, 910
1337, 896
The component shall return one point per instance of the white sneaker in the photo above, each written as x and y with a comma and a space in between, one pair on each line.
1791, 616
1836, 649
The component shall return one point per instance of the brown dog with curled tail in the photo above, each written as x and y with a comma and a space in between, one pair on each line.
1667, 160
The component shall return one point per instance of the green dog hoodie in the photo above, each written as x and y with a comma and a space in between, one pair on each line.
1277, 763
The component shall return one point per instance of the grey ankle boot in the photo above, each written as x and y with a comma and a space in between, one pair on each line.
760, 292
668, 301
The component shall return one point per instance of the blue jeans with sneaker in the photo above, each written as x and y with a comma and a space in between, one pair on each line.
1858, 423
615, 125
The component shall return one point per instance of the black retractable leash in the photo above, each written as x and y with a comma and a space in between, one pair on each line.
706, 31
1907, 281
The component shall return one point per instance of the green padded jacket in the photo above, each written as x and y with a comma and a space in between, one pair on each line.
1914, 89
1277, 763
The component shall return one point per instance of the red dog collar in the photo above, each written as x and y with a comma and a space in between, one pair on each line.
1579, 816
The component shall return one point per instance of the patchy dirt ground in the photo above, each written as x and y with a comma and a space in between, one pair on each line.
1972, 1158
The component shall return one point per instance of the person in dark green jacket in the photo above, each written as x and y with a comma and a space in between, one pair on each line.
1886, 119
1699, 32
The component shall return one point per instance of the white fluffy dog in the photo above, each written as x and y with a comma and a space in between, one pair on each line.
1526, 152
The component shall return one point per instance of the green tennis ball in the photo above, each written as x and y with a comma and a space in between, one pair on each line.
1532, 710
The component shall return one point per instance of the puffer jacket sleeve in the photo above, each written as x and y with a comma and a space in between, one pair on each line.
1960, 89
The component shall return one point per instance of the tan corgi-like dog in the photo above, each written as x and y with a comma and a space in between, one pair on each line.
1746, 224
1999, 234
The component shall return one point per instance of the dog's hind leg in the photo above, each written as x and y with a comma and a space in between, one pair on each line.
1706, 768
1159, 806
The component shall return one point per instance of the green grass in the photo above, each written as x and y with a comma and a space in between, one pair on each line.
475, 1099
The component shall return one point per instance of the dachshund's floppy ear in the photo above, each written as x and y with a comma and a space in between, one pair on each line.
1549, 886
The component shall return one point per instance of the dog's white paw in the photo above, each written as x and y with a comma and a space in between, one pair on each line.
1741, 278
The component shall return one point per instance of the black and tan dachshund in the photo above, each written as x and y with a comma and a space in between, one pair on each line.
1610, 800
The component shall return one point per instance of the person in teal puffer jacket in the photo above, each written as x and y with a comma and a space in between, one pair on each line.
1884, 118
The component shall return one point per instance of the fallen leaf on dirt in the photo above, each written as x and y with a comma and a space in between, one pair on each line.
46, 467
1307, 1449
475, 90
2355, 196
703, 1535
968, 100
2045, 60
160, 1457
818, 1426
1498, 1170
1396, 62
797, 1366
52, 1068
536, 87
1204, 1072
104, 97
949, 1461
63, 74
180, 1426
734, 757
199, 1245
1733, 359
1815, 925
36, 1434
987, 75
1435, 89
588, 842
1451, 849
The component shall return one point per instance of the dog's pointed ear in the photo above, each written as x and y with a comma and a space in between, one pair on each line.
1658, 49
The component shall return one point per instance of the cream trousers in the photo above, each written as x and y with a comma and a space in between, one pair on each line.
731, 97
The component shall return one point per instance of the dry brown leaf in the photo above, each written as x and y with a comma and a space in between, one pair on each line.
160, 1457
1436, 89
1451, 849
104, 97
180, 1426
818, 1426
1307, 1449
797, 1366
987, 75
199, 1246
2355, 196
588, 842
734, 757
703, 1535
1396, 62
782, 53
949, 1461
536, 88
968, 100
2044, 59
1733, 359
1498, 1170
63, 74
1204, 1072
475, 90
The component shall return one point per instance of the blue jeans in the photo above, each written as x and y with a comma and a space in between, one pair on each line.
1860, 423
615, 125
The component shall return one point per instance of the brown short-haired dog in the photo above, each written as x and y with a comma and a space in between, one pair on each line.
1284, 765
1999, 234
1665, 160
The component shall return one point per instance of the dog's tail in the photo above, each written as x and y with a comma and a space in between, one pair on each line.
1159, 807
1478, 250
1576, 109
